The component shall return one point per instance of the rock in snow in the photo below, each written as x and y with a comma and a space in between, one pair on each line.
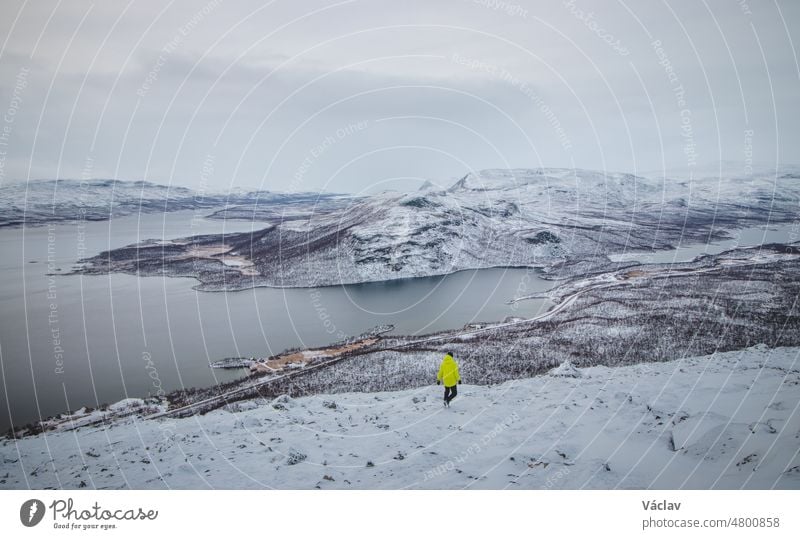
566, 370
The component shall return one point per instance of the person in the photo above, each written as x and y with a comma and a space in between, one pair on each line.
448, 375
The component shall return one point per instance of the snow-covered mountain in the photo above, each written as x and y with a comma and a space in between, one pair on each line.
492, 218
45, 201
729, 421
725, 169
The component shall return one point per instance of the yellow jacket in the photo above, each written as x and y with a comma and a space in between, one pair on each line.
448, 372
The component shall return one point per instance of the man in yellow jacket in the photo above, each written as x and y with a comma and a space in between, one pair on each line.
448, 374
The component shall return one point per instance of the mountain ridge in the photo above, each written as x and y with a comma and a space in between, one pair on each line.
495, 218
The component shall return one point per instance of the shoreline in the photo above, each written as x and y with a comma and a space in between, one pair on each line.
571, 300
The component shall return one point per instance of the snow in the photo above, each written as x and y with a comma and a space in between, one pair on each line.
126, 404
729, 420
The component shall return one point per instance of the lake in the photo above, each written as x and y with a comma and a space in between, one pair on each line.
746, 237
71, 341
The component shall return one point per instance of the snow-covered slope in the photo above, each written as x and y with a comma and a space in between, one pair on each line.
724, 421
593, 189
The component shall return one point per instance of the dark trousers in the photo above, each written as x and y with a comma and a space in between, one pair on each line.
450, 393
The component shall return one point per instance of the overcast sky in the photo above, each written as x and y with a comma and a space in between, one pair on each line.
364, 95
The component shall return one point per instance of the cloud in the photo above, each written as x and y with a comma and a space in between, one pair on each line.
148, 90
